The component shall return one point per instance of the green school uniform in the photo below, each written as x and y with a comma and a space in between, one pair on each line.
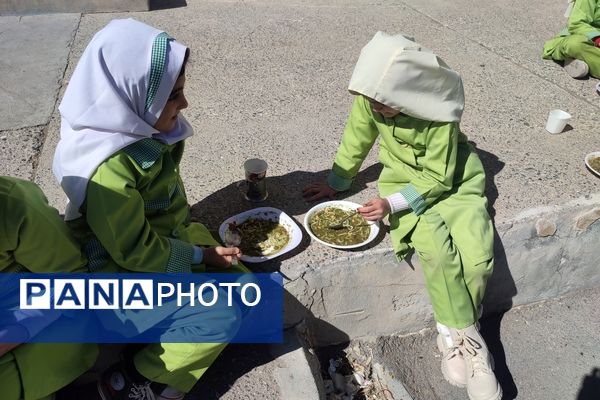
33, 238
136, 218
442, 179
575, 40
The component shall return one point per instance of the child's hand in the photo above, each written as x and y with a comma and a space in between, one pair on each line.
375, 209
318, 190
220, 256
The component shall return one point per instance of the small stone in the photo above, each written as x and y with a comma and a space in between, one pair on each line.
584, 220
4, 137
545, 227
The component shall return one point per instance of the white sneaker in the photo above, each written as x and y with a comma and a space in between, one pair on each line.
576, 68
481, 381
454, 367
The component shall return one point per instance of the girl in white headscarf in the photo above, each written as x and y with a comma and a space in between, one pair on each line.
122, 138
431, 186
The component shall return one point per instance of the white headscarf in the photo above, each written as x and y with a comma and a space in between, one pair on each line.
399, 73
115, 96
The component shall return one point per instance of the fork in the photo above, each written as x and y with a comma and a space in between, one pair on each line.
340, 224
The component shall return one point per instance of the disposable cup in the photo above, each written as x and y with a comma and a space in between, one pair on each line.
557, 120
256, 186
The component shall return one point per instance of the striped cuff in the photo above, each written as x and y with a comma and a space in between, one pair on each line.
180, 259
397, 202
338, 183
414, 199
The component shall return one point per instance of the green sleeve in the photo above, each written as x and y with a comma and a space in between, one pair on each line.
35, 234
358, 138
115, 213
438, 165
581, 20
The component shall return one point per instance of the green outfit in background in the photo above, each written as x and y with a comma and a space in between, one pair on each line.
33, 238
442, 178
136, 218
575, 41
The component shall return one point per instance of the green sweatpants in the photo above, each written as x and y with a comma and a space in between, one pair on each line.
455, 286
34, 371
180, 365
574, 46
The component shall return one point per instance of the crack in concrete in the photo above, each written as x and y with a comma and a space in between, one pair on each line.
491, 50
35, 159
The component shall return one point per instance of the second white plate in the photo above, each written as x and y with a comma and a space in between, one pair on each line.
271, 214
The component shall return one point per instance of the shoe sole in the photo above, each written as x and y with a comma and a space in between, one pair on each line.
445, 373
496, 396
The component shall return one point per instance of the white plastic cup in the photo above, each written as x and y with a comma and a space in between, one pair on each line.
557, 120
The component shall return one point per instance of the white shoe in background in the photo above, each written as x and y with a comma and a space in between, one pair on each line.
576, 68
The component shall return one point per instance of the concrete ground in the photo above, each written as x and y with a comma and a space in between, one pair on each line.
543, 351
268, 79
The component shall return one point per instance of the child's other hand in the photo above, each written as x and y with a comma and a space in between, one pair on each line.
375, 209
318, 190
220, 256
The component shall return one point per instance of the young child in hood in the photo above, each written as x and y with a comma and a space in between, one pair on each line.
122, 139
34, 239
431, 187
578, 44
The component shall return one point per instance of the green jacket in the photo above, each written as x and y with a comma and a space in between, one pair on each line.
431, 164
584, 20
136, 216
33, 238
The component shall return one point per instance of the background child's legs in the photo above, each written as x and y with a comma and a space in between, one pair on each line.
574, 46
442, 265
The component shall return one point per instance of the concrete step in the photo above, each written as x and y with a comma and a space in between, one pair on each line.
542, 351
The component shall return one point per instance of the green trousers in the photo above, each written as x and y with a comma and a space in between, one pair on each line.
455, 285
180, 365
574, 46
34, 371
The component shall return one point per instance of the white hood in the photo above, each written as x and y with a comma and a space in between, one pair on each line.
115, 96
399, 73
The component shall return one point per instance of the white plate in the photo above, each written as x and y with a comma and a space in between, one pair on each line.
271, 214
346, 205
587, 162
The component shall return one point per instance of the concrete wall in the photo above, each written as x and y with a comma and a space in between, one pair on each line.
540, 254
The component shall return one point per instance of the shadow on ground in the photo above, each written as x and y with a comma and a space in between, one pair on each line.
238, 360
590, 386
501, 286
285, 193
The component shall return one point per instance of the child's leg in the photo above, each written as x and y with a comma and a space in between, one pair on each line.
442, 265
179, 362
179, 365
476, 277
576, 47
10, 380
